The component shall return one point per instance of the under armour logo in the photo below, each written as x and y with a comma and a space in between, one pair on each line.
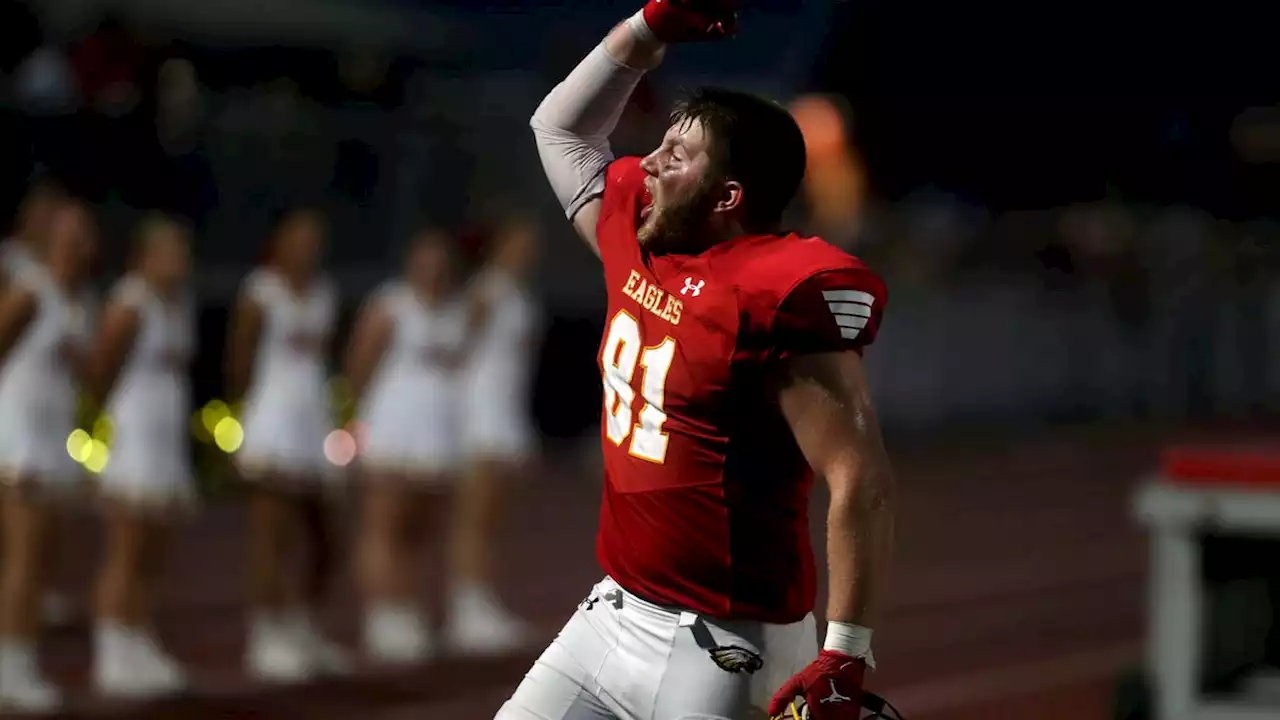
691, 287
835, 696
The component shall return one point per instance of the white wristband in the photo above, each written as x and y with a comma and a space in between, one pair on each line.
640, 28
849, 639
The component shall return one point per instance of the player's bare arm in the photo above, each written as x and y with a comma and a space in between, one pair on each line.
118, 332
573, 123
242, 345
829, 408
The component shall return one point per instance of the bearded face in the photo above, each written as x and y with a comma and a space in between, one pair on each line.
682, 191
679, 223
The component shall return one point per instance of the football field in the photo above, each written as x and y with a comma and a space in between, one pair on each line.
1018, 594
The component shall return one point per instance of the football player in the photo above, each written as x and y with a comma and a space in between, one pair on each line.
732, 371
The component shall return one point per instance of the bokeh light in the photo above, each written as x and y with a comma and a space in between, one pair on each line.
228, 435
340, 448
198, 429
78, 445
360, 431
834, 182
214, 412
822, 125
98, 457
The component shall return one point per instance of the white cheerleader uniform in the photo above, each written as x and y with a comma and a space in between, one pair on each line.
150, 404
496, 418
410, 408
287, 413
38, 390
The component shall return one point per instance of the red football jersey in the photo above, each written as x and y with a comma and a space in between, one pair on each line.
706, 494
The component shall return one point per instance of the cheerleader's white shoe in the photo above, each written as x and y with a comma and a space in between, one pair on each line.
23, 687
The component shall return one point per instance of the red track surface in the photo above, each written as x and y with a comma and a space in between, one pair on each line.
1018, 594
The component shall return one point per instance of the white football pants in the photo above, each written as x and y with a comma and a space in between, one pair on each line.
622, 658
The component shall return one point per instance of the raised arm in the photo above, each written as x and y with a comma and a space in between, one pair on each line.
572, 125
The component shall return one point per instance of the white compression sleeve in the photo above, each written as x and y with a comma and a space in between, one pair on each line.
573, 123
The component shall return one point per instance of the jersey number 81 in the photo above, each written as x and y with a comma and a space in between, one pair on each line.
623, 351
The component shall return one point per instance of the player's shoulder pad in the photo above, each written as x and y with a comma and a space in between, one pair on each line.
779, 264
817, 297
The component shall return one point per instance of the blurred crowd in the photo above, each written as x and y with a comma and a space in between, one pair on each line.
133, 121
1184, 305
105, 112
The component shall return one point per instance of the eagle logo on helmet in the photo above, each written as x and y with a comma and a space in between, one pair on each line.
734, 659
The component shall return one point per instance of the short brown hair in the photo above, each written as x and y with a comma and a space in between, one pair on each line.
753, 141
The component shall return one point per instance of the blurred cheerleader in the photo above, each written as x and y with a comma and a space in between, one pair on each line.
277, 351
43, 332
402, 365
22, 249
498, 438
139, 366
18, 253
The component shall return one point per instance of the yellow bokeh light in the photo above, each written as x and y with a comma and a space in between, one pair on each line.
228, 435
98, 457
78, 443
202, 433
213, 413
104, 429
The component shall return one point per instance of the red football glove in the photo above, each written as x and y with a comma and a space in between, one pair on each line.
675, 21
831, 687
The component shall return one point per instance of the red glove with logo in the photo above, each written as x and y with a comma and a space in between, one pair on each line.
831, 687
676, 21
